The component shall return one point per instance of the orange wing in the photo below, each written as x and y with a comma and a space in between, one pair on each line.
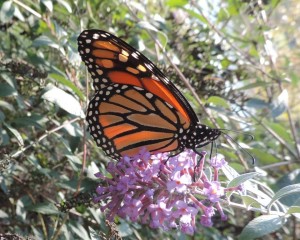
111, 60
135, 105
122, 121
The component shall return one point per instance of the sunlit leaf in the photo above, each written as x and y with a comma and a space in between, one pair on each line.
63, 100
293, 209
94, 234
242, 178
288, 179
280, 104
124, 229
196, 15
66, 82
218, 101
176, 3
48, 4
288, 190
262, 226
43, 41
7, 11
74, 129
18, 14
66, 5
147, 25
3, 214
6, 105
251, 201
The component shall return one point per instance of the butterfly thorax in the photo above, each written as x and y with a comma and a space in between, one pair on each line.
201, 135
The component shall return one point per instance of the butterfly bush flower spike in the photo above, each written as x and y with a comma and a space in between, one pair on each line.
163, 192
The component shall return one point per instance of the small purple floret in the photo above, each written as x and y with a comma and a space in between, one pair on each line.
162, 192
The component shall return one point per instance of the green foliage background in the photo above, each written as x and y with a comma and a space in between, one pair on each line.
240, 57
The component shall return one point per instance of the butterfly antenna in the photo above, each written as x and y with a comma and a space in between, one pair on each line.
236, 131
216, 146
211, 149
243, 149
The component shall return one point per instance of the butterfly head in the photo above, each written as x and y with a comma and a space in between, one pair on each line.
203, 135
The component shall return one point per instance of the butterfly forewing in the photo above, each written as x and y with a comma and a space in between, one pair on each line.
111, 60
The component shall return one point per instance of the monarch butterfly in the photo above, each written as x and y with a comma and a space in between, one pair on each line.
135, 106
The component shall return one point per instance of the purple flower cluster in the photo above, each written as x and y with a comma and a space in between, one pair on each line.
163, 192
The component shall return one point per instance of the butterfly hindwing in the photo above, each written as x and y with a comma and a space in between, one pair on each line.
123, 119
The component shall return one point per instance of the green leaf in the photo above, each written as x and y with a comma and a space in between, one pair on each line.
63, 100
147, 25
7, 12
44, 41
66, 82
48, 4
257, 103
281, 131
263, 156
2, 118
262, 226
163, 39
250, 201
230, 172
20, 209
15, 133
293, 209
246, 85
66, 5
18, 14
177, 3
44, 208
37, 233
74, 161
79, 230
223, 15
280, 105
218, 101
74, 129
7, 106
288, 179
27, 121
225, 63
7, 90
292, 189
3, 214
124, 229
196, 15
97, 214
253, 51
233, 8
242, 178
94, 234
